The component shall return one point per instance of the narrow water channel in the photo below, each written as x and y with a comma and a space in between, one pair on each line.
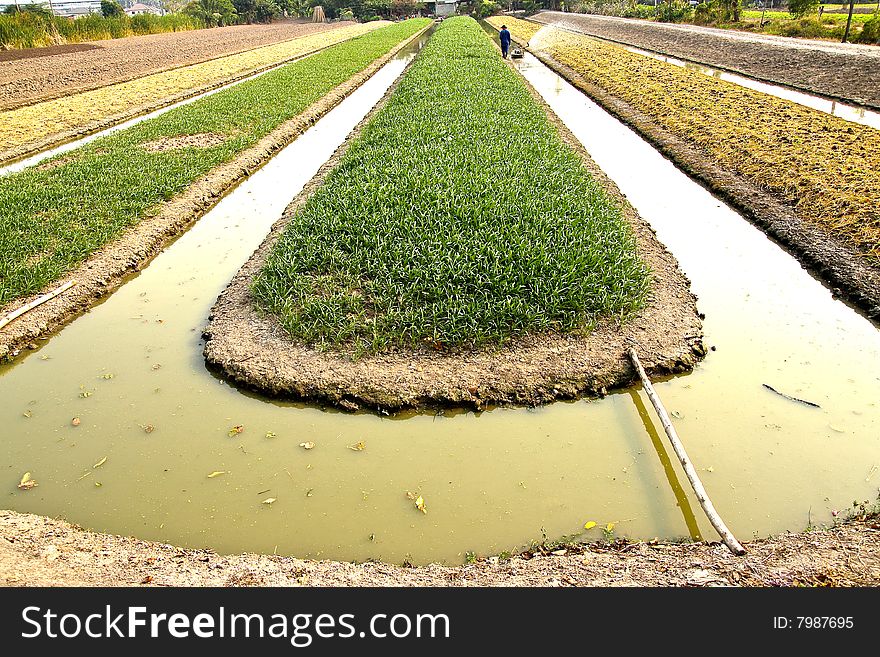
132, 372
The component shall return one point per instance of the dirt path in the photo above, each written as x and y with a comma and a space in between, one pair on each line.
40, 551
37, 74
844, 71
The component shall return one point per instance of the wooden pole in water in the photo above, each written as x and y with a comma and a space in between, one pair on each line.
36, 302
726, 536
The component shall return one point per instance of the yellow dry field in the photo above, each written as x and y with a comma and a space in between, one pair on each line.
823, 166
36, 123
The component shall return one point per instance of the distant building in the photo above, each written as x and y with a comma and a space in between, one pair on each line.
140, 8
66, 8
445, 8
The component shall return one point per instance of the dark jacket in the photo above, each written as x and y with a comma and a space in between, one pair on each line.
505, 37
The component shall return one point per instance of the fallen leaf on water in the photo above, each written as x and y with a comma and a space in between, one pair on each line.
358, 446
27, 413
100, 463
148, 428
75, 422
270, 434
98, 484
677, 414
268, 500
609, 527
307, 445
26, 482
237, 429
107, 376
216, 473
589, 524
309, 492
420, 504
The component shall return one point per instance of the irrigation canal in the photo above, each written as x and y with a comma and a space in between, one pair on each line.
132, 371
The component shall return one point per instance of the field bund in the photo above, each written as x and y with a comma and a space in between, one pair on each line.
464, 250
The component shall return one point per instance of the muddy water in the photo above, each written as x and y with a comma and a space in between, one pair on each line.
844, 111
132, 371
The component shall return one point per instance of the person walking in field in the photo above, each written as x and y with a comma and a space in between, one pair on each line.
504, 35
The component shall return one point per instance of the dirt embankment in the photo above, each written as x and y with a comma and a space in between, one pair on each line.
40, 551
844, 71
38, 74
252, 349
106, 270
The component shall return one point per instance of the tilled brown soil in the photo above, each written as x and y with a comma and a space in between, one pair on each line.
40, 551
251, 347
845, 71
40, 74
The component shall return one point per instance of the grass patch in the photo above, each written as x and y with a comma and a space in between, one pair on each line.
28, 124
458, 217
821, 165
51, 219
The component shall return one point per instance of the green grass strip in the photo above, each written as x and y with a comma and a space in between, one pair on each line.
457, 217
51, 219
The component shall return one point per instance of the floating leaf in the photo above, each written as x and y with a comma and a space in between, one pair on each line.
216, 473
268, 500
420, 504
27, 414
359, 446
85, 394
26, 482
676, 414
107, 376
309, 492
589, 524
98, 484
307, 445
100, 463
237, 429
148, 428
609, 527
270, 434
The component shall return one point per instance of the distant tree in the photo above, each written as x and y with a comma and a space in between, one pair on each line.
800, 8
174, 6
38, 9
256, 11
111, 9
212, 12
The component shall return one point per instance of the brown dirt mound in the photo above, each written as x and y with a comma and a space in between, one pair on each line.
252, 348
200, 140
40, 551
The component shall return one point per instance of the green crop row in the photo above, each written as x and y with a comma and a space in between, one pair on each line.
55, 215
457, 217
